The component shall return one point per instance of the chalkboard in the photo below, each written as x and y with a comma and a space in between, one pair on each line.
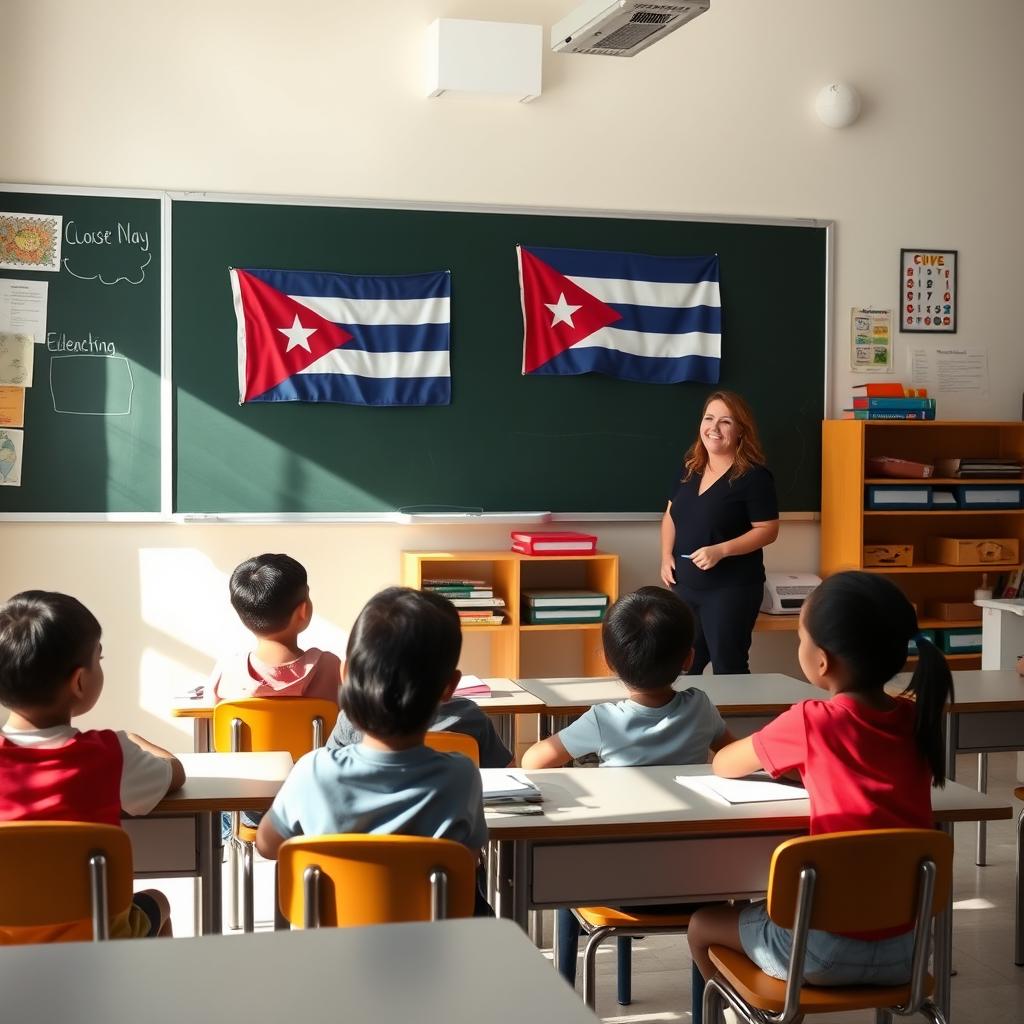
92, 415
506, 442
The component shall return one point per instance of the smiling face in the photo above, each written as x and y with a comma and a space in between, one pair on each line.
718, 431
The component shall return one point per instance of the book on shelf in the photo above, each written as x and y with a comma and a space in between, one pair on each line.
901, 469
478, 602
868, 402
481, 620
565, 598
550, 542
562, 616
1014, 584
454, 583
461, 591
893, 414
890, 389
1010, 468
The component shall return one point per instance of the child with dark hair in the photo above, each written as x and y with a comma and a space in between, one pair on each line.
648, 643
50, 672
270, 593
868, 761
401, 663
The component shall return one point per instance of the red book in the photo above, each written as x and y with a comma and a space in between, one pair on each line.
882, 389
544, 542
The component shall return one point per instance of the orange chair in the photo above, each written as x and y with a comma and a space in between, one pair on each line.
349, 880
295, 724
844, 882
59, 876
1018, 917
454, 743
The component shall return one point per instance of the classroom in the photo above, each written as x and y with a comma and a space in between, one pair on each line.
327, 100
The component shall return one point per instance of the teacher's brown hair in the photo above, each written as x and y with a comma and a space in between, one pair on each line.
749, 452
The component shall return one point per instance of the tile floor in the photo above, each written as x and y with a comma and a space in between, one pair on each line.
988, 988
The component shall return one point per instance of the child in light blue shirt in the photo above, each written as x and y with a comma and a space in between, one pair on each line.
648, 643
401, 659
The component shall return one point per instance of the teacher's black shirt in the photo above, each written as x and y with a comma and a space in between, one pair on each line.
727, 509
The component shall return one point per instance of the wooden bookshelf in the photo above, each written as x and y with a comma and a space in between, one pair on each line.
509, 573
847, 525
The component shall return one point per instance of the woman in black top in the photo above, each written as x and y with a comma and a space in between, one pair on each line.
722, 512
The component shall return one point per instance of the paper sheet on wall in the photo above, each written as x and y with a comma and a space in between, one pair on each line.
17, 354
948, 370
871, 340
23, 307
12, 407
10, 457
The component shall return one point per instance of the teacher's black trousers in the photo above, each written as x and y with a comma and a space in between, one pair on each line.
725, 619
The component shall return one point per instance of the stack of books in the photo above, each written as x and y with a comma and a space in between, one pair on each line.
473, 599
890, 401
557, 607
1011, 469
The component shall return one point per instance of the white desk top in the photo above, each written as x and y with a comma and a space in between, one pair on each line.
764, 694
227, 782
451, 972
977, 690
1014, 605
600, 802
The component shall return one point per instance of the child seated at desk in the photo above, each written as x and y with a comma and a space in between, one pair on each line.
401, 661
50, 672
648, 643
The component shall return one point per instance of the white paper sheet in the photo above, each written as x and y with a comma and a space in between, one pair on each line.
949, 370
23, 307
17, 354
742, 791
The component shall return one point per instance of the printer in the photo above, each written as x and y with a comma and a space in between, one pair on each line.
785, 592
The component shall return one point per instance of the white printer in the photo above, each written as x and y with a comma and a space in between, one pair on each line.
785, 592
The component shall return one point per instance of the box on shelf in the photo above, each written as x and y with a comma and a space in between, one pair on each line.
960, 641
974, 551
952, 610
888, 555
549, 542
997, 496
886, 496
903, 469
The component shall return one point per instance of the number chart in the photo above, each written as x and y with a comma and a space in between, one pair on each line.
928, 291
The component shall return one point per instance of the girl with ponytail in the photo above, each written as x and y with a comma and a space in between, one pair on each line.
867, 759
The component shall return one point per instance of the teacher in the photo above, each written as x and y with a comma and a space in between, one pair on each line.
722, 512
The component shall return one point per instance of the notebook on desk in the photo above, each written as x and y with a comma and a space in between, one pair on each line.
501, 786
753, 789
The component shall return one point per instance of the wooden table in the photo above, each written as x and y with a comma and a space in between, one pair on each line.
180, 837
507, 700
448, 972
635, 836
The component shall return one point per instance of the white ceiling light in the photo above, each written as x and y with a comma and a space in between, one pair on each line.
837, 105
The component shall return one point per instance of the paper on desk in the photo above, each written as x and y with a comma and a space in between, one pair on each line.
502, 786
742, 791
472, 686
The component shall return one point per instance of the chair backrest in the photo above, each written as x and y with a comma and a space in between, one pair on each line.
864, 881
55, 873
356, 880
295, 724
454, 743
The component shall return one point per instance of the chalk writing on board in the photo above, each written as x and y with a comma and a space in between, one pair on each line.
91, 385
58, 341
110, 254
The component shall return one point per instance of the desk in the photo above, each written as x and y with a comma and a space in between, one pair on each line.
507, 700
449, 972
1002, 632
635, 836
181, 835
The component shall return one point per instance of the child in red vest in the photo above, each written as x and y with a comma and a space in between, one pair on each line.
50, 672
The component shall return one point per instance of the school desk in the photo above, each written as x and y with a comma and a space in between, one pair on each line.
181, 835
507, 700
635, 836
447, 972
1002, 632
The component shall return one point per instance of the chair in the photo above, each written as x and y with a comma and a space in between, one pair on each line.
844, 882
58, 877
1018, 917
295, 724
349, 880
454, 743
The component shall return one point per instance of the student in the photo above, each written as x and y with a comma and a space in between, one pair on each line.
868, 761
50, 672
270, 593
648, 643
401, 661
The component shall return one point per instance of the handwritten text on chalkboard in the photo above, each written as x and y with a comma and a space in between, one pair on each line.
106, 253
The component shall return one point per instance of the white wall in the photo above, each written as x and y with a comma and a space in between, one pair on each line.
322, 97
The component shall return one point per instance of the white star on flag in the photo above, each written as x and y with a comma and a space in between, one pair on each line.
562, 311
297, 335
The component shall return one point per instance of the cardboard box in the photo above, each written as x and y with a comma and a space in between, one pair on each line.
973, 551
888, 554
952, 610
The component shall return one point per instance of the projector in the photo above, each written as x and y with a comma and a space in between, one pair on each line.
622, 28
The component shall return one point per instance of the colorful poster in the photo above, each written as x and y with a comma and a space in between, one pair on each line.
30, 241
928, 291
871, 340
12, 407
10, 457
17, 353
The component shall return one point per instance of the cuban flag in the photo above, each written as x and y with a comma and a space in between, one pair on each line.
652, 319
318, 337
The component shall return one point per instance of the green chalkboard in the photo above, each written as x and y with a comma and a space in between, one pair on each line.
506, 442
91, 437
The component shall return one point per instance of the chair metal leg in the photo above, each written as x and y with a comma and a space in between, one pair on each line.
982, 825
713, 1003
248, 917
597, 936
932, 1013
883, 1016
233, 869
281, 923
624, 969
1018, 917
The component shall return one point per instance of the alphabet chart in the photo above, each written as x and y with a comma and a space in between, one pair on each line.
928, 291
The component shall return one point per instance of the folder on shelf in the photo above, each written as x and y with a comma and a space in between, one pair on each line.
883, 496
565, 599
990, 497
561, 616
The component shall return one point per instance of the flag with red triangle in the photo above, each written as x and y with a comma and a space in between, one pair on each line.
322, 337
654, 319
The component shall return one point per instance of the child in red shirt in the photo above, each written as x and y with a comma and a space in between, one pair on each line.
867, 760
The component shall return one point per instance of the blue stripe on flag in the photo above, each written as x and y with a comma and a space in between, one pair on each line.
629, 266
669, 320
434, 285
352, 390
643, 369
399, 337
